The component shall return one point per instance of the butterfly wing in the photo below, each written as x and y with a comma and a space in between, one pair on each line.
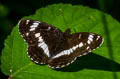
74, 46
39, 35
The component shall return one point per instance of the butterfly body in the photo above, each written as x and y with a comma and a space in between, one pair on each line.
49, 45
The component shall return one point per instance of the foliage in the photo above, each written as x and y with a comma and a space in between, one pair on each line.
103, 63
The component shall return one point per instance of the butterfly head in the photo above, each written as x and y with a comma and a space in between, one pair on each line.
67, 33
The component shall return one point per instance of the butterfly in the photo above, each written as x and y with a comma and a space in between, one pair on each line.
49, 45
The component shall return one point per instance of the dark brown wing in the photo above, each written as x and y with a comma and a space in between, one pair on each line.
41, 38
74, 46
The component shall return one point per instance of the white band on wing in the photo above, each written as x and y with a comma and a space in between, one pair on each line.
69, 51
42, 44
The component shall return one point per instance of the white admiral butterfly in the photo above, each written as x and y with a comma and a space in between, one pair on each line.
49, 45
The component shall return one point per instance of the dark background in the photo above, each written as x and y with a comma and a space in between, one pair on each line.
12, 11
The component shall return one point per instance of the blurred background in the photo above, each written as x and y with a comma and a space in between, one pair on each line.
12, 11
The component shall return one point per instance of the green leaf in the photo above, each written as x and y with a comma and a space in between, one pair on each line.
103, 63
3, 10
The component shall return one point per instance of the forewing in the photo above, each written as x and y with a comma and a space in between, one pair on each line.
41, 38
74, 46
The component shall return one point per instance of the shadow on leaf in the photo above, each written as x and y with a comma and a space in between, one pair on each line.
94, 62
